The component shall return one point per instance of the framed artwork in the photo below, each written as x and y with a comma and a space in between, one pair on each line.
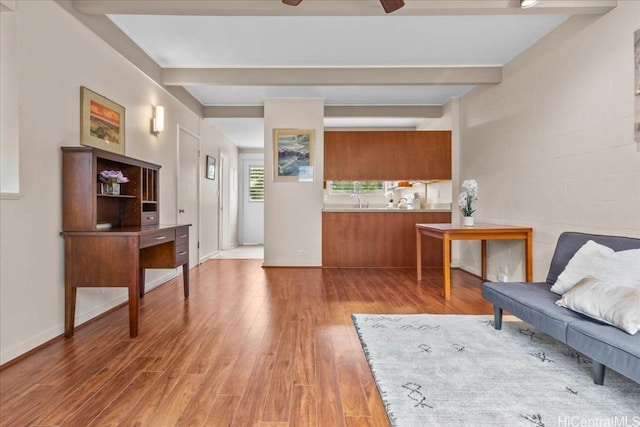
636, 98
293, 155
211, 167
101, 122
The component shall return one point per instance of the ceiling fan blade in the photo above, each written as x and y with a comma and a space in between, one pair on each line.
391, 5
292, 2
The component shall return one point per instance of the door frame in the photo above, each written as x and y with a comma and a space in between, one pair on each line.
198, 171
223, 205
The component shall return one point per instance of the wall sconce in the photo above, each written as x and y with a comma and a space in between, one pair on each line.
528, 3
157, 122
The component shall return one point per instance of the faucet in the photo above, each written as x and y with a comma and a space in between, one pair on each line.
356, 196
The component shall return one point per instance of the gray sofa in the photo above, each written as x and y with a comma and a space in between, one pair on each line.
535, 304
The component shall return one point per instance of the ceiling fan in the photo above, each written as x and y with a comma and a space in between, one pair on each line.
388, 5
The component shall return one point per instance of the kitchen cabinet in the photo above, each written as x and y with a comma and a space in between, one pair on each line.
387, 155
378, 239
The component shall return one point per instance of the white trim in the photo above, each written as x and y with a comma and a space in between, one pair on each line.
10, 196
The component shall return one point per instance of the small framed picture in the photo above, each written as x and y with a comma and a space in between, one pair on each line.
211, 167
101, 122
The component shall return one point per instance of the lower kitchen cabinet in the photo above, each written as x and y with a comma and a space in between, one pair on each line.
378, 239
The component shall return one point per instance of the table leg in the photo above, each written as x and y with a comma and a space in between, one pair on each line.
141, 280
483, 244
133, 303
418, 254
446, 266
529, 257
185, 279
69, 309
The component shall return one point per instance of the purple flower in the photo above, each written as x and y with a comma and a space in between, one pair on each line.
112, 176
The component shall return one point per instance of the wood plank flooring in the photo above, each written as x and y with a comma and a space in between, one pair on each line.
261, 347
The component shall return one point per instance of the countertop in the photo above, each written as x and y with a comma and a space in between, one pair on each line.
380, 209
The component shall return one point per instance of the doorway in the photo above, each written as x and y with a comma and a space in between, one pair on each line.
252, 199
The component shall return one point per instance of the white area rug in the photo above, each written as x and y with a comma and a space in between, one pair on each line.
457, 370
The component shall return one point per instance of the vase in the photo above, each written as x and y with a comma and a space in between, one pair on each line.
467, 221
110, 188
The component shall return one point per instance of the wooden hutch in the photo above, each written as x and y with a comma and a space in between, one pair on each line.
110, 239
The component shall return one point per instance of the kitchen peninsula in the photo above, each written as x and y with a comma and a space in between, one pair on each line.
356, 235
378, 237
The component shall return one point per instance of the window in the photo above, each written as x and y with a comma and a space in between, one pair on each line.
359, 187
256, 183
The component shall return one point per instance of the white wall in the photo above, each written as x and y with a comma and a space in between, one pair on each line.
56, 55
552, 145
293, 210
211, 142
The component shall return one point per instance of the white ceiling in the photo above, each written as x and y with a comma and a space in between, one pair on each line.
397, 40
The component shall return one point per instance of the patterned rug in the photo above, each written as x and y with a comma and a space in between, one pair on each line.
457, 370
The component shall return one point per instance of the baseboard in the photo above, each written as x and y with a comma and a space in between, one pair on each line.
476, 272
209, 256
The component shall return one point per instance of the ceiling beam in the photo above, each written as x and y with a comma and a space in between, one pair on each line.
233, 111
423, 111
332, 76
338, 7
257, 111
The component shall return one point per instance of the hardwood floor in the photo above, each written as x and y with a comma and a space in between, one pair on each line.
250, 347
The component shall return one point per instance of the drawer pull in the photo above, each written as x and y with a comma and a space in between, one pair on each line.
161, 237
151, 217
183, 236
182, 253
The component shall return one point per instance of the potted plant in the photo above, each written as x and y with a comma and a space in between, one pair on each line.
466, 199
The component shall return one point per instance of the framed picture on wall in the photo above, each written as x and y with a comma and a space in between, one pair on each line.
293, 155
211, 167
101, 122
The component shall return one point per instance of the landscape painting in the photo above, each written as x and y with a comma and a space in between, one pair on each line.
293, 155
101, 122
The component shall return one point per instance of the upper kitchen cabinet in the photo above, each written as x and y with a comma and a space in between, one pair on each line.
387, 155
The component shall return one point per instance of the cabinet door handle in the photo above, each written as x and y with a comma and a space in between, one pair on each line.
161, 237
182, 236
182, 253
151, 217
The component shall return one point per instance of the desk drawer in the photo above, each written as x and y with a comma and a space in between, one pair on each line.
182, 235
182, 254
149, 218
157, 238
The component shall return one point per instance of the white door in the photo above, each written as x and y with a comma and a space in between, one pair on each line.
188, 188
253, 201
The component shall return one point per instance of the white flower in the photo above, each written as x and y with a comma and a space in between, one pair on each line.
468, 196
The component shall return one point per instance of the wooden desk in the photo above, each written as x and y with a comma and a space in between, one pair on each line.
117, 258
484, 232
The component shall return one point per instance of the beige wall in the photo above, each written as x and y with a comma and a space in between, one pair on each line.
552, 145
56, 55
293, 210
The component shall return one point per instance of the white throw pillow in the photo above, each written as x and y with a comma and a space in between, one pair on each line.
618, 306
593, 259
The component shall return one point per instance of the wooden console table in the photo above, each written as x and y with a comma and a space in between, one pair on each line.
117, 258
483, 232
